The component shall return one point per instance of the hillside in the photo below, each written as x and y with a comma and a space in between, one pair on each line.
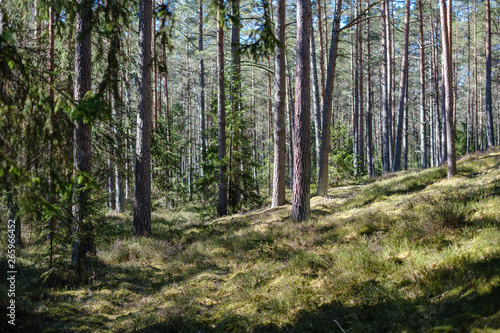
412, 252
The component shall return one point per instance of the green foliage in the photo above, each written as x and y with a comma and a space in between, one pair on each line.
239, 160
166, 149
341, 160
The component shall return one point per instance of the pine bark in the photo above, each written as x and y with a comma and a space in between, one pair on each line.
402, 90
369, 110
423, 120
221, 113
234, 165
302, 145
490, 140
386, 102
328, 103
447, 80
83, 242
142, 202
202, 87
279, 174
316, 99
321, 49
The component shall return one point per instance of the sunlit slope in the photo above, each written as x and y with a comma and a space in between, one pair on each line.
410, 253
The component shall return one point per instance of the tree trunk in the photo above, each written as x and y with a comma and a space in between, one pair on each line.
390, 82
279, 175
321, 49
202, 87
302, 151
221, 113
402, 90
490, 140
84, 241
254, 138
361, 111
142, 202
447, 79
234, 165
423, 121
355, 79
328, 102
317, 107
476, 113
291, 124
369, 109
386, 103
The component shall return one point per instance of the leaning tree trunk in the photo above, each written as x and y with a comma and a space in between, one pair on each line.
279, 175
142, 203
302, 144
83, 242
328, 102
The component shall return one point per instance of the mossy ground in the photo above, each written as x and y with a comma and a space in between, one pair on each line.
414, 252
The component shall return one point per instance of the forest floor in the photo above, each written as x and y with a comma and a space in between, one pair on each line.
409, 252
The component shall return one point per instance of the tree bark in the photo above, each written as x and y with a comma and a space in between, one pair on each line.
423, 120
476, 112
291, 121
142, 202
302, 151
386, 103
369, 109
234, 165
490, 140
328, 102
316, 98
355, 79
402, 90
202, 87
279, 174
83, 242
221, 113
447, 79
321, 50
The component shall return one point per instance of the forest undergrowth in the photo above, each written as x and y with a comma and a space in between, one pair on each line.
410, 252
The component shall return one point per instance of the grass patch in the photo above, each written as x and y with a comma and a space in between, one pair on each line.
415, 252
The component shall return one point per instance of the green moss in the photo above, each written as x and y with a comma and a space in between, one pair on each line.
408, 253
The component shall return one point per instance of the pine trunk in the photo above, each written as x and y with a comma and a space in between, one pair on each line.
302, 150
142, 202
317, 107
279, 175
83, 242
490, 140
369, 110
202, 87
328, 103
447, 80
386, 103
423, 120
221, 113
402, 90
